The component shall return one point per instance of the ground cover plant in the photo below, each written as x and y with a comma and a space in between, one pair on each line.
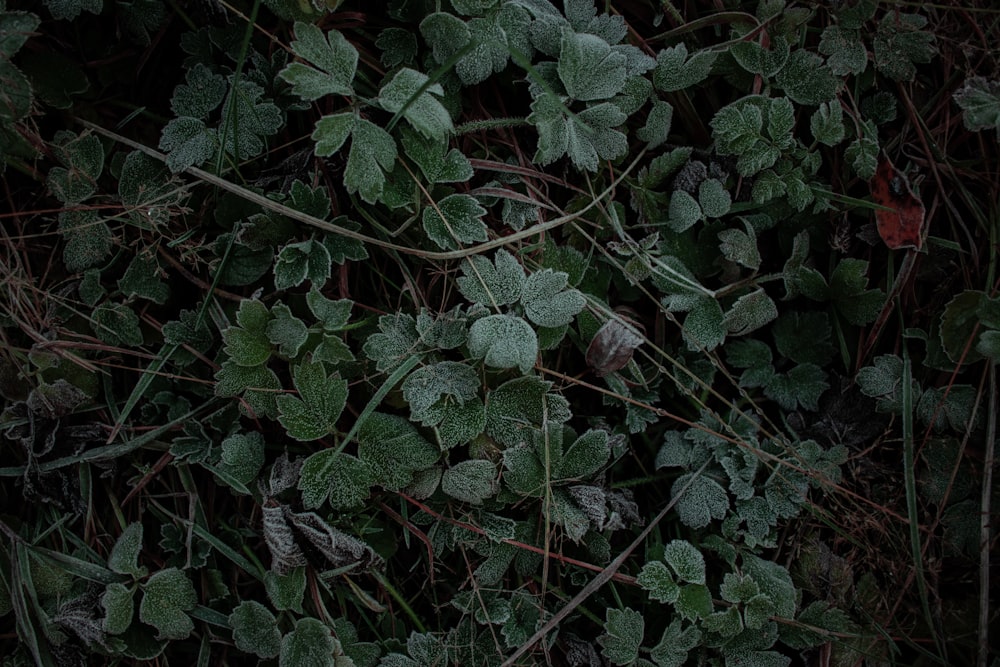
498, 332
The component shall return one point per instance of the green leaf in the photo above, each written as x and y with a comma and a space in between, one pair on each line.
703, 501
16, 95
586, 137
373, 153
308, 644
705, 325
713, 198
521, 404
446, 34
167, 595
286, 331
147, 189
88, 239
471, 481
802, 385
900, 44
243, 456
588, 454
297, 262
248, 343
396, 341
315, 414
754, 58
728, 623
740, 246
846, 53
332, 131
70, 9
694, 602
989, 344
394, 450
247, 119
749, 313
804, 337
457, 219
398, 46
83, 158
656, 580
335, 60
546, 300
979, 99
188, 142
623, 632
588, 67
258, 385
686, 560
124, 556
958, 323
119, 608
117, 324
285, 591
332, 315
774, 581
676, 71
847, 290
436, 162
684, 211
255, 630
456, 424
657, 127
862, 153
408, 93
672, 650
806, 80
492, 284
827, 124
425, 386
343, 478
201, 95
495, 37
503, 341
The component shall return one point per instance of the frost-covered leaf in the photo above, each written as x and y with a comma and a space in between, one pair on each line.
258, 385
188, 142
409, 94
686, 560
291, 535
332, 131
437, 163
83, 160
754, 58
806, 80
703, 501
342, 479
455, 220
584, 457
713, 198
676, 71
774, 581
446, 34
804, 337
862, 153
88, 239
546, 300
740, 246
309, 643
335, 61
117, 324
396, 341
285, 591
587, 136
492, 284
750, 312
243, 456
979, 99
846, 53
70, 9
657, 126
425, 386
124, 557
119, 608
656, 580
802, 385
589, 68
672, 650
456, 424
471, 481
684, 211
201, 95
297, 262
623, 632
705, 325
247, 119
394, 450
167, 595
248, 344
315, 412
503, 341
521, 404
255, 630
398, 46
900, 44
848, 291
827, 123
286, 331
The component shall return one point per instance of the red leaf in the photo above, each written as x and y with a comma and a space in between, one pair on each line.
905, 226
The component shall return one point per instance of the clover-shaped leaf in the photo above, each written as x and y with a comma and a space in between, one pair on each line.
335, 61
394, 450
286, 331
425, 386
546, 300
202, 93
248, 343
257, 384
255, 630
456, 219
658, 582
243, 456
188, 143
249, 118
686, 560
676, 71
979, 99
623, 632
83, 158
503, 341
297, 262
167, 595
321, 401
397, 340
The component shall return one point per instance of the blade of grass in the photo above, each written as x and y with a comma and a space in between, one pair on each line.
985, 535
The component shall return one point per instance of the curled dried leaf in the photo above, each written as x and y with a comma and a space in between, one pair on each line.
612, 347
